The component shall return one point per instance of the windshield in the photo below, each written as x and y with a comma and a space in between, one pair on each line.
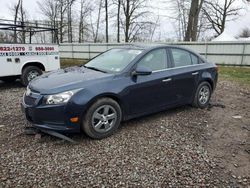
114, 60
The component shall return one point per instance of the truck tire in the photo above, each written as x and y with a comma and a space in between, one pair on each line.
29, 73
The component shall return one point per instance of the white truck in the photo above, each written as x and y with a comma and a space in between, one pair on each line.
27, 61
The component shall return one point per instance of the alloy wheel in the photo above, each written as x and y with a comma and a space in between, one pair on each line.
204, 94
104, 118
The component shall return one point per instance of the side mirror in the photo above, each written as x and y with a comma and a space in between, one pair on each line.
140, 70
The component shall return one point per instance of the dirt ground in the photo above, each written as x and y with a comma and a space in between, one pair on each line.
175, 148
228, 136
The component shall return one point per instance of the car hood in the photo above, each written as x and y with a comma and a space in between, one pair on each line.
66, 79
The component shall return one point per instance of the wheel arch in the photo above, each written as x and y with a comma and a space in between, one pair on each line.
34, 63
113, 96
207, 77
210, 81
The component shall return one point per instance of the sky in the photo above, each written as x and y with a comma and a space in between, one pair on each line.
233, 28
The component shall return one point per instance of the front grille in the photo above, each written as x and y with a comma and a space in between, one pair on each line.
29, 100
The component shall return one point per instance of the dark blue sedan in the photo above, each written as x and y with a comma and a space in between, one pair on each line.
118, 85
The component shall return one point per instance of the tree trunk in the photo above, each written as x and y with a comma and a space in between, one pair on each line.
22, 22
106, 19
118, 20
61, 22
98, 22
127, 21
15, 20
191, 32
80, 39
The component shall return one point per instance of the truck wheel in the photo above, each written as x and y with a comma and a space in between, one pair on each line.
29, 73
9, 79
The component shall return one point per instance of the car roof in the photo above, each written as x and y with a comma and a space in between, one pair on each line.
151, 47
148, 47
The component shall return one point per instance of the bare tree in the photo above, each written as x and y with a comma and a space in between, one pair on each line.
193, 19
83, 25
95, 28
63, 7
69, 14
106, 20
118, 19
134, 10
50, 10
117, 4
219, 12
179, 14
16, 9
22, 19
20, 16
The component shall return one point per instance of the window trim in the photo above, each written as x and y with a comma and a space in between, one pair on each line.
172, 68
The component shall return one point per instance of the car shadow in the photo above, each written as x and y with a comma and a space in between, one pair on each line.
10, 85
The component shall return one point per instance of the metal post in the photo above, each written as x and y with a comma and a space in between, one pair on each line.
30, 37
243, 53
89, 50
206, 50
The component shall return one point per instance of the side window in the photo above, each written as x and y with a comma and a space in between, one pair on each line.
181, 57
195, 59
155, 60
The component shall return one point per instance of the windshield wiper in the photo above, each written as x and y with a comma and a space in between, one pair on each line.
94, 68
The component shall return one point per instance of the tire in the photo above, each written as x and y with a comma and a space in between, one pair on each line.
26, 76
98, 123
9, 79
202, 95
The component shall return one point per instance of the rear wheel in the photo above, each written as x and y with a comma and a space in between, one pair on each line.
29, 73
202, 95
102, 118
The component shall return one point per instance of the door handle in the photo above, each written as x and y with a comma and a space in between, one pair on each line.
195, 73
167, 80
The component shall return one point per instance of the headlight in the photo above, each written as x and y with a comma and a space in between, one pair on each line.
60, 98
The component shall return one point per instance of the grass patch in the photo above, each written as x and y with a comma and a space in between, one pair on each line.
239, 74
71, 62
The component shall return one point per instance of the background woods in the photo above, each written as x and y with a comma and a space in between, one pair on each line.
126, 20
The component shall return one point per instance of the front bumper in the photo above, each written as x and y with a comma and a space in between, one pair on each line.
50, 117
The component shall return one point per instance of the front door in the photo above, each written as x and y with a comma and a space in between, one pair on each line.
147, 93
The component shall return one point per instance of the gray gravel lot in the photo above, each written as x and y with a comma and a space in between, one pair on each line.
175, 148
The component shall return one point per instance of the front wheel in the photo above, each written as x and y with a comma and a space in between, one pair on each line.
102, 118
29, 73
202, 95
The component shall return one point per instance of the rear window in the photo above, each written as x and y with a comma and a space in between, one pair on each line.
195, 59
181, 57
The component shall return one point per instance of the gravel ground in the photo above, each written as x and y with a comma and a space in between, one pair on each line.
180, 147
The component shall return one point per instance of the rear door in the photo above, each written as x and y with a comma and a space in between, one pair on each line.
185, 74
